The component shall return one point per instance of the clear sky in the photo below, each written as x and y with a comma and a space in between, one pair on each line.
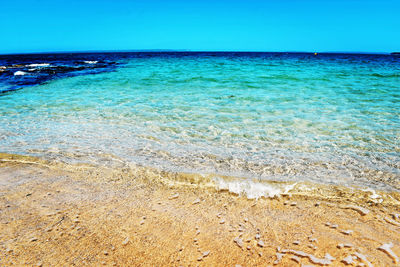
245, 25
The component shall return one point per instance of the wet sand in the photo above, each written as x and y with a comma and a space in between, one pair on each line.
57, 214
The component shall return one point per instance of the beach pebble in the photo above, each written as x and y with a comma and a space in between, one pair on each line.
258, 236
141, 222
105, 252
197, 232
248, 247
246, 219
126, 241
260, 243
344, 245
197, 201
278, 258
238, 241
206, 253
293, 204
297, 242
222, 221
174, 196
347, 232
33, 239
311, 246
349, 260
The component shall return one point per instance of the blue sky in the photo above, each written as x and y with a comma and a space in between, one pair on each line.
246, 25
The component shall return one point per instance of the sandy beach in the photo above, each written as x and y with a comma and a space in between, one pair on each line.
52, 214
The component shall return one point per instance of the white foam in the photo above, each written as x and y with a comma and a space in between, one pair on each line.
90, 62
250, 189
387, 248
363, 258
349, 260
327, 260
39, 65
18, 73
374, 195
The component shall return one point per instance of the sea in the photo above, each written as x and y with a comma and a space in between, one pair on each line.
241, 119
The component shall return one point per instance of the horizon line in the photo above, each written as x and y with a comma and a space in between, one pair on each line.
191, 51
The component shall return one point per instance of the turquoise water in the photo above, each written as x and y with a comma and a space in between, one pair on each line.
331, 119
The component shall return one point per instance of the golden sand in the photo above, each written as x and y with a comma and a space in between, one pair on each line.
57, 214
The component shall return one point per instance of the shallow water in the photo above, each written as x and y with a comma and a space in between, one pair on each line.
330, 118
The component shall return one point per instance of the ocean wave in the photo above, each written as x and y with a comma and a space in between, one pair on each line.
38, 65
114, 169
390, 75
90, 61
251, 189
19, 73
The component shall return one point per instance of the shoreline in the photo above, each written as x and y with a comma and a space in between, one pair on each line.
54, 214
